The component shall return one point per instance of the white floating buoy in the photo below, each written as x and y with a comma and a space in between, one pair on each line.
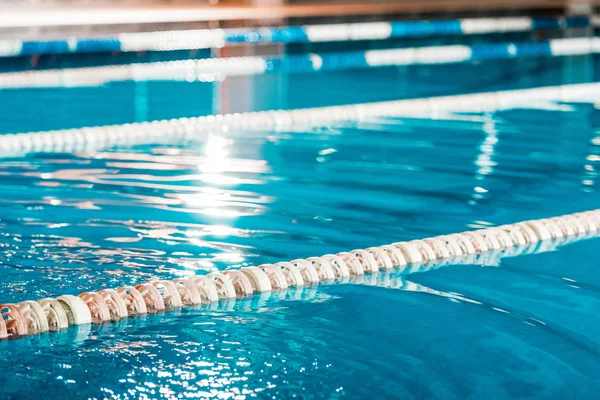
276, 277
354, 266
398, 259
152, 297
308, 272
383, 260
338, 265
427, 253
491, 240
451, 245
259, 280
97, 306
515, 233
34, 316
223, 284
553, 228
576, 223
116, 305
76, 310
587, 221
565, 225
188, 292
243, 287
592, 219
133, 299
410, 252
541, 231
55, 314
503, 237
291, 273
367, 260
477, 241
439, 248
169, 294
207, 289
323, 268
529, 233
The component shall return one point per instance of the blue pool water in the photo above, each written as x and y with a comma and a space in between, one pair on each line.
527, 328
125, 102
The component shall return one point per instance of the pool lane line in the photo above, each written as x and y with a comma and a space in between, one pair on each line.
215, 69
81, 139
472, 247
217, 38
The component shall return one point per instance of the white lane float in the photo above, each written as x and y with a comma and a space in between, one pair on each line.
352, 263
55, 314
206, 288
367, 260
338, 265
292, 274
133, 300
221, 290
77, 311
307, 270
152, 298
188, 292
97, 306
275, 275
410, 252
258, 279
169, 294
223, 285
241, 283
116, 306
323, 267
35, 317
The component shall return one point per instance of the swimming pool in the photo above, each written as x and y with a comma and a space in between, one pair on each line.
123, 213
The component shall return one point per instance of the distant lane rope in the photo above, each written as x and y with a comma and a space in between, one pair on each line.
215, 69
70, 140
216, 38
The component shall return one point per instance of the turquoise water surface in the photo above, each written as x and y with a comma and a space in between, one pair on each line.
527, 328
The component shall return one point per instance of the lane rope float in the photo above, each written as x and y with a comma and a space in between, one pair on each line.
70, 140
215, 69
216, 38
483, 246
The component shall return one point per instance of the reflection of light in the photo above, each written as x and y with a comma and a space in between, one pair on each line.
590, 173
216, 160
204, 199
229, 257
212, 230
219, 204
221, 212
198, 265
220, 179
484, 159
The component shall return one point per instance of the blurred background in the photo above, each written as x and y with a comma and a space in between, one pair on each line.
48, 46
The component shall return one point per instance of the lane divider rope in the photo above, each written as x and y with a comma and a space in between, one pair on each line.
216, 38
69, 140
214, 69
109, 305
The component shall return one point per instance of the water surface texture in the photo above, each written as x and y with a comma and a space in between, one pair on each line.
526, 328
34, 109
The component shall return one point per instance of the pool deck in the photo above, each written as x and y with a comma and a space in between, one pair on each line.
56, 16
